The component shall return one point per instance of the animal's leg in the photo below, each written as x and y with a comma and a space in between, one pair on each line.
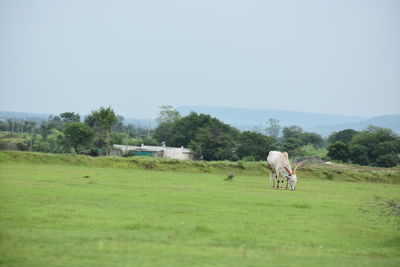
279, 181
271, 179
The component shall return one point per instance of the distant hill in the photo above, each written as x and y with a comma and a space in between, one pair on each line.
324, 124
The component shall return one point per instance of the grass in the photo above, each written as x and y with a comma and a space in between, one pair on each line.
62, 214
337, 172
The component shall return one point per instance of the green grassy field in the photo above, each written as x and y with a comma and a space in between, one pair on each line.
70, 215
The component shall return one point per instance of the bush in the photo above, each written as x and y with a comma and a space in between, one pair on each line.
230, 176
389, 208
41, 145
249, 158
241, 165
23, 146
388, 161
148, 164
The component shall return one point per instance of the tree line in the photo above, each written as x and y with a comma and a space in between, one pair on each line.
69, 133
373, 146
207, 137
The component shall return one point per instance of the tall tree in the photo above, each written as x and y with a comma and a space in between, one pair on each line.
166, 119
214, 139
344, 136
103, 122
54, 122
78, 134
255, 145
70, 117
312, 138
338, 151
274, 128
168, 114
292, 131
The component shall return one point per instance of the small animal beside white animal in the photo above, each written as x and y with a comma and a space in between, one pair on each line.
279, 166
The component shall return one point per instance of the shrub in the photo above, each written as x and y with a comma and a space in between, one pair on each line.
249, 158
389, 160
241, 165
149, 164
386, 208
230, 176
23, 146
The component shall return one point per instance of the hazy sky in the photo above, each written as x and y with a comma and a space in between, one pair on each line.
331, 56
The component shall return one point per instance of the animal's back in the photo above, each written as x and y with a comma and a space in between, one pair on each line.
273, 158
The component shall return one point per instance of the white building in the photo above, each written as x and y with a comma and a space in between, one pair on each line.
157, 151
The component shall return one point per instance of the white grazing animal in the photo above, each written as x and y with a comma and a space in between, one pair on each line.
278, 163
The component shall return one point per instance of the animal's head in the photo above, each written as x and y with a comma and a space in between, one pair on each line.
292, 177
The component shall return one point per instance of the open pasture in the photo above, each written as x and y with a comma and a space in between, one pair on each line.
65, 215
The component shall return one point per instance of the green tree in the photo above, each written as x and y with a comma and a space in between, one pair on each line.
168, 114
312, 138
78, 134
102, 121
54, 122
293, 146
358, 154
338, 151
119, 138
29, 126
57, 142
184, 130
70, 117
196, 150
344, 136
216, 143
216, 139
166, 119
41, 144
385, 148
254, 145
293, 131
388, 160
377, 142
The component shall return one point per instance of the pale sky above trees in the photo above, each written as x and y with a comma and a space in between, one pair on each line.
336, 57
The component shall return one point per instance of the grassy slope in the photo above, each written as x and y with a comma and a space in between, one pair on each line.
318, 171
51, 215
